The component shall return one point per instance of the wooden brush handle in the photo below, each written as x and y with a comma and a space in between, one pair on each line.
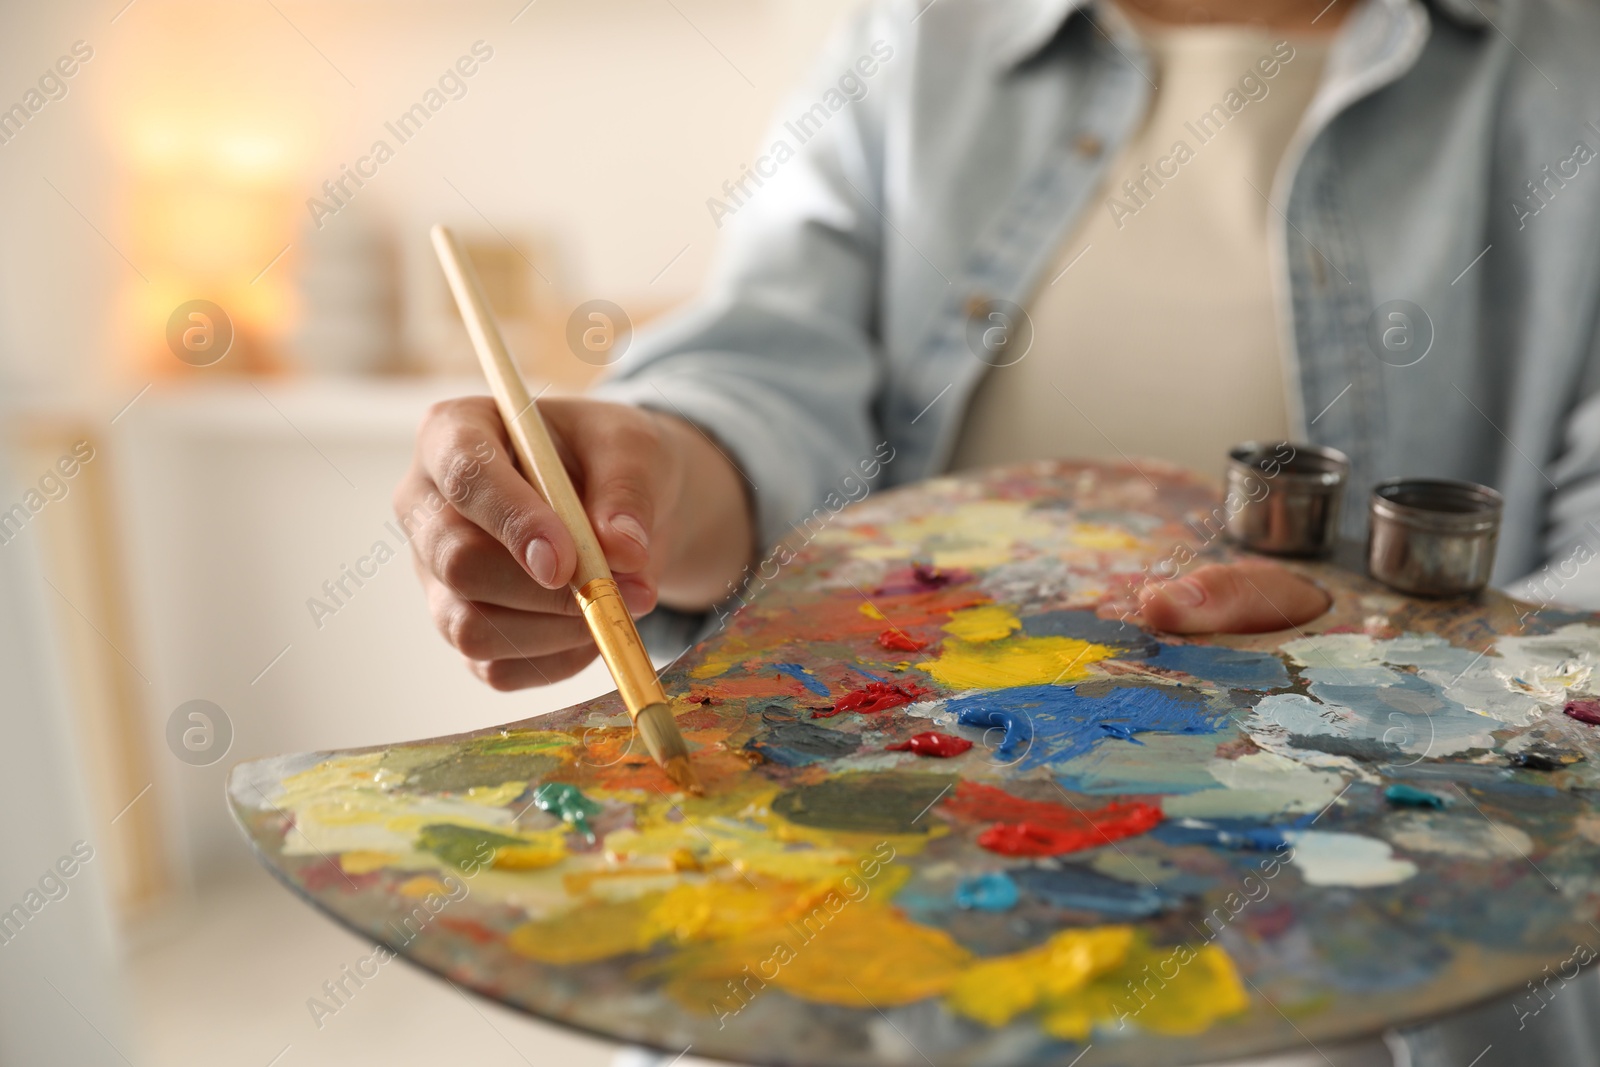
541, 462
596, 591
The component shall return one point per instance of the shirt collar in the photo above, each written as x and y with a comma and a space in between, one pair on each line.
1032, 24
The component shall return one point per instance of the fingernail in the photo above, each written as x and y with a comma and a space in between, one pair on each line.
542, 562
632, 529
638, 598
1186, 591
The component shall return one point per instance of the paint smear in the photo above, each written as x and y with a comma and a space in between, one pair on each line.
874, 697
1047, 724
988, 623
1231, 667
1459, 836
1406, 796
1326, 858
1129, 641
800, 673
800, 743
1015, 661
900, 641
1237, 834
1261, 784
852, 953
568, 804
932, 743
990, 891
1584, 711
1040, 828
894, 803
1085, 978
1161, 764
1080, 889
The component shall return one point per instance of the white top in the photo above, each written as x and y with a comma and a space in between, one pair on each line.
1156, 333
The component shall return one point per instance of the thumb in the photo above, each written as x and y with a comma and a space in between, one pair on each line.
1233, 598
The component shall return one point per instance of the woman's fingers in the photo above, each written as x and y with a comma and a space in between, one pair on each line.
489, 632
509, 674
1232, 598
462, 449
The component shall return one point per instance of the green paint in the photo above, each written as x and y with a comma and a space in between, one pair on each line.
1405, 796
471, 770
461, 846
568, 804
872, 803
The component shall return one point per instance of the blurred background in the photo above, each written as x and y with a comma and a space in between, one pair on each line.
220, 322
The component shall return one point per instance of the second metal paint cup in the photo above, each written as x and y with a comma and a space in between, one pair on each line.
1433, 536
1284, 498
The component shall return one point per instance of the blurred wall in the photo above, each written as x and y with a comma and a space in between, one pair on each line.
184, 152
176, 162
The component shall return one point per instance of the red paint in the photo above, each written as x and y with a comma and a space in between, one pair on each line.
1584, 711
473, 931
1041, 828
873, 697
900, 641
326, 874
933, 743
922, 578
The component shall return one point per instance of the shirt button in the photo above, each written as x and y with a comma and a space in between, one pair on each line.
1087, 144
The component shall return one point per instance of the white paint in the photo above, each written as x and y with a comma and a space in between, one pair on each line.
1353, 860
1260, 784
1465, 836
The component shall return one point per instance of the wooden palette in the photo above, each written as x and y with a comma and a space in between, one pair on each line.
1175, 851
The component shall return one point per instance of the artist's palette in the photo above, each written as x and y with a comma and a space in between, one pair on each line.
1174, 851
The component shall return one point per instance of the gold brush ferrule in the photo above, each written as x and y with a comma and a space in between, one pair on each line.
620, 644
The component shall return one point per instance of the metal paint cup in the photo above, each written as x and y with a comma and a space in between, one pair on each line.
1433, 536
1288, 497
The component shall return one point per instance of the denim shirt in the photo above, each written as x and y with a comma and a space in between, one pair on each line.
940, 153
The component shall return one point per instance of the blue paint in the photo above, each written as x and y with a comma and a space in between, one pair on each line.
798, 744
993, 891
1244, 834
1082, 889
1406, 796
803, 676
871, 674
1051, 723
1232, 667
1129, 641
1018, 727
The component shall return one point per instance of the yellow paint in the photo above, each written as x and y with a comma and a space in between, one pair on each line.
422, 885
856, 953
716, 910
1014, 661
997, 990
720, 661
871, 612
869, 956
365, 861
494, 796
587, 933
991, 622
1103, 538
1103, 976
973, 535
531, 857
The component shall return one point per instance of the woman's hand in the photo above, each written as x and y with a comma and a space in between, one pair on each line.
668, 507
1253, 596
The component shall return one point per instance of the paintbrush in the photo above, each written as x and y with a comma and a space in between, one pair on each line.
592, 584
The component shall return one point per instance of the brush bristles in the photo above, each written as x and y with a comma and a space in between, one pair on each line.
660, 732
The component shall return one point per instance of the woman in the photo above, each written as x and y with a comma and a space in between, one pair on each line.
994, 230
